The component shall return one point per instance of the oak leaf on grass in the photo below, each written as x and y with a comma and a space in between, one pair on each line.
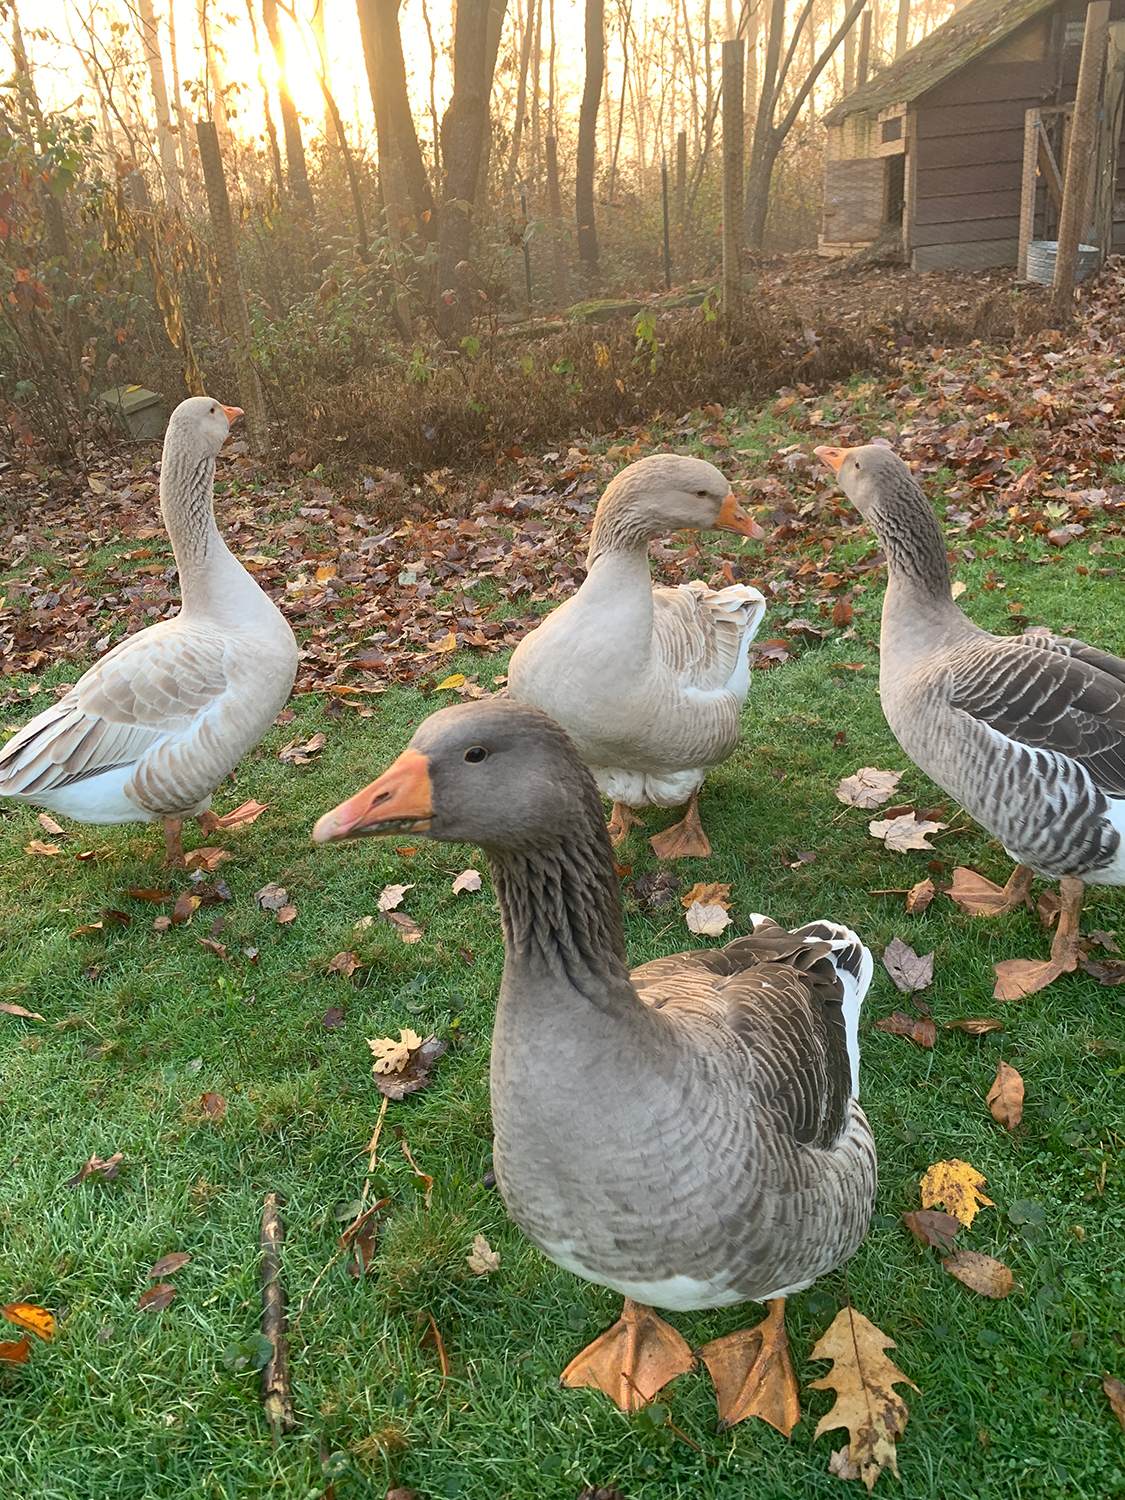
17, 1010
403, 1067
15, 1351
482, 1259
707, 893
867, 1403
957, 1187
1116, 1393
1005, 1097
707, 921
391, 896
157, 1297
980, 1273
168, 1264
96, 1167
919, 896
975, 1025
392, 1056
406, 927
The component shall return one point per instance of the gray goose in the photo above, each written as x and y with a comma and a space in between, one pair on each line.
688, 1134
149, 732
1026, 732
648, 682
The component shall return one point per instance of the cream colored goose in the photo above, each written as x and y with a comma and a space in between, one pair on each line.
1027, 732
149, 732
648, 682
690, 1134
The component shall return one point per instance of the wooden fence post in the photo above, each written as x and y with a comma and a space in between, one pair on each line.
1079, 157
681, 177
1027, 188
902, 27
733, 55
233, 296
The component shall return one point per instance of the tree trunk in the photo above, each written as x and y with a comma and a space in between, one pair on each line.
554, 201
394, 124
169, 165
218, 97
271, 128
521, 88
183, 134
586, 154
462, 138
316, 21
233, 296
295, 167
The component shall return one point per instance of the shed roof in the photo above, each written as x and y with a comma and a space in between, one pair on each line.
969, 32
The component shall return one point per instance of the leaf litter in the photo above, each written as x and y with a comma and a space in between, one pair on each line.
482, 1259
403, 1067
468, 880
932, 1227
980, 1273
905, 833
1005, 1097
898, 1023
909, 970
867, 1403
868, 787
956, 1186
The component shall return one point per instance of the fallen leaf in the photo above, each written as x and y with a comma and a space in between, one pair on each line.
287, 914
95, 1167
18, 1010
898, 1023
1116, 1393
909, 970
707, 921
957, 1187
1107, 971
391, 1056
361, 1238
455, 681
213, 1108
407, 927
157, 1298
37, 846
161, 924
391, 896
975, 1026
334, 1016
656, 890
300, 752
980, 1273
208, 859
169, 1264
867, 1403
482, 1259
49, 826
1005, 1097
959, 587
245, 812
15, 1353
141, 893
1101, 939
932, 1227
86, 928
919, 896
31, 1319
432, 1339
905, 833
185, 908
707, 894
344, 963
406, 853
218, 949
468, 880
869, 787
415, 1073
975, 894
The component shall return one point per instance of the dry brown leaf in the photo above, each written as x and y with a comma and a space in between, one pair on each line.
391, 896
144, 893
468, 880
867, 1403
185, 908
869, 787
976, 895
95, 1167
406, 927
1107, 971
1116, 1393
208, 859
300, 752
980, 1273
271, 897
49, 826
1005, 1097
344, 963
218, 949
31, 1319
334, 1016
15, 1352
919, 896
932, 1227
415, 1074
157, 1298
898, 1023
957, 1186
391, 1056
287, 914
169, 1264
712, 893
707, 921
905, 833
975, 1026
37, 846
18, 1010
161, 924
482, 1259
909, 970
244, 813
213, 1108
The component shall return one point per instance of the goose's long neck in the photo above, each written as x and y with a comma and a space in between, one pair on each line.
919, 603
210, 577
561, 914
620, 529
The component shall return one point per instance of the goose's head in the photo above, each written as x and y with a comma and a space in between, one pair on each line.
496, 773
874, 478
670, 492
199, 426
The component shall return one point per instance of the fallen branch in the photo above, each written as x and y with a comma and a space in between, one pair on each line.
276, 1396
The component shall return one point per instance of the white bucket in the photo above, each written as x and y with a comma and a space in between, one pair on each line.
1041, 257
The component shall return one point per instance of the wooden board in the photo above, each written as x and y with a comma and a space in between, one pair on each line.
968, 231
969, 150
968, 206
982, 177
1024, 82
980, 255
953, 120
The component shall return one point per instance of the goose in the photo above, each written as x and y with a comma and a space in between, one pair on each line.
648, 682
150, 731
1026, 732
689, 1134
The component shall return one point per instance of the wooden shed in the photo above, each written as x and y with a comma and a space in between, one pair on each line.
969, 128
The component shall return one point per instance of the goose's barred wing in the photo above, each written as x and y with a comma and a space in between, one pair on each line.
781, 995
698, 633
1049, 693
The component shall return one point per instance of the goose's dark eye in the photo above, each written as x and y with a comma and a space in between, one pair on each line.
475, 754
702, 494
212, 411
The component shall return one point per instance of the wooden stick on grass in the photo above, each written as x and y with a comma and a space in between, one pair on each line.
276, 1396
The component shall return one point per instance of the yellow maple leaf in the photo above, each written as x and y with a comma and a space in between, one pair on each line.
867, 1403
392, 1056
956, 1186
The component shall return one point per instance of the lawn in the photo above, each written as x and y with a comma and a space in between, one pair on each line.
139, 1025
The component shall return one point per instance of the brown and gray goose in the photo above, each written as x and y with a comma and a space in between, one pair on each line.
688, 1134
149, 732
1026, 732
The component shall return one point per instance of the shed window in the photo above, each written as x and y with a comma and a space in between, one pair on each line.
892, 129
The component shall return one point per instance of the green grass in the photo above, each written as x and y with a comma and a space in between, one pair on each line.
128, 1404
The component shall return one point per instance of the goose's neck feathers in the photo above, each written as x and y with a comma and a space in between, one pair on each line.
621, 526
919, 607
213, 584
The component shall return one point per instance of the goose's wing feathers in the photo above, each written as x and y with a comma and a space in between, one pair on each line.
783, 995
700, 635
147, 688
1049, 693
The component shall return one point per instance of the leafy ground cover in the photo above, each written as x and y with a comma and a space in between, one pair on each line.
141, 1026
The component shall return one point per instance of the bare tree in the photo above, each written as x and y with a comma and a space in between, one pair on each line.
400, 156
295, 167
166, 144
586, 155
271, 128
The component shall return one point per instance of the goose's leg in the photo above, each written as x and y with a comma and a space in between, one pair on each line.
621, 820
753, 1374
684, 840
633, 1360
1017, 977
173, 843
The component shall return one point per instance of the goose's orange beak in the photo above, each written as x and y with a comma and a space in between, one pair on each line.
833, 457
733, 518
233, 413
401, 801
